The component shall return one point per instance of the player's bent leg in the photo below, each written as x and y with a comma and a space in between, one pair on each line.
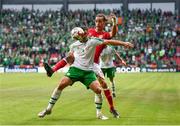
60, 64
65, 81
55, 96
109, 98
95, 87
98, 100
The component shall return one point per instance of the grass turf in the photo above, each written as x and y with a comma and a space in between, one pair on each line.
142, 99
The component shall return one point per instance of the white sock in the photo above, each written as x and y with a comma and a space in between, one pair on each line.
54, 97
98, 103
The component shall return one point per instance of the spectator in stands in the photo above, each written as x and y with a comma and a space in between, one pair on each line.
24, 33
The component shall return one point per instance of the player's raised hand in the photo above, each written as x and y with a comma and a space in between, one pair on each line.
113, 18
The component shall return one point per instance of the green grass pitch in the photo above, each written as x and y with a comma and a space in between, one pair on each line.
142, 99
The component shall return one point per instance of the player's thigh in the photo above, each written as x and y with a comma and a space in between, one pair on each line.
65, 81
95, 87
74, 74
87, 78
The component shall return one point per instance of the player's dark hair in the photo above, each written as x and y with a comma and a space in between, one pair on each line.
102, 15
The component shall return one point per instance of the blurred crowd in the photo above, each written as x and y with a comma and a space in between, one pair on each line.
31, 37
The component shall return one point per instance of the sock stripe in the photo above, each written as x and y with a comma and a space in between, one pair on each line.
51, 103
55, 99
98, 103
98, 107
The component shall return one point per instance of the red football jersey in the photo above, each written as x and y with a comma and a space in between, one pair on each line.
103, 35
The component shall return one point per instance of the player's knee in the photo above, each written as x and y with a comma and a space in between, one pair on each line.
98, 90
62, 84
104, 84
111, 79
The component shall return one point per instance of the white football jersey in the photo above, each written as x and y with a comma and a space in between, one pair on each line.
107, 57
84, 53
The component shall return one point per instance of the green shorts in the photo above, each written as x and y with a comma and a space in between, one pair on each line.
85, 77
110, 72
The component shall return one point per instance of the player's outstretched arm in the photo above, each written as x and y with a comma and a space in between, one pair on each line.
118, 43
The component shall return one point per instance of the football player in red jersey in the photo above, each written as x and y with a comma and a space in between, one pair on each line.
98, 31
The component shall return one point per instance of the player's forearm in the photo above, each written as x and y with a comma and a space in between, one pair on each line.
114, 42
118, 56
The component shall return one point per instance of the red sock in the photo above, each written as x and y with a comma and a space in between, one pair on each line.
108, 95
59, 65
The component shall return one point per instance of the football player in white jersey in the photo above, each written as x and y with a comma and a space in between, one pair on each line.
107, 65
82, 68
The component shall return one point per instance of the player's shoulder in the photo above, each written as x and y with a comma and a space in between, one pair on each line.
75, 43
91, 29
95, 39
106, 34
